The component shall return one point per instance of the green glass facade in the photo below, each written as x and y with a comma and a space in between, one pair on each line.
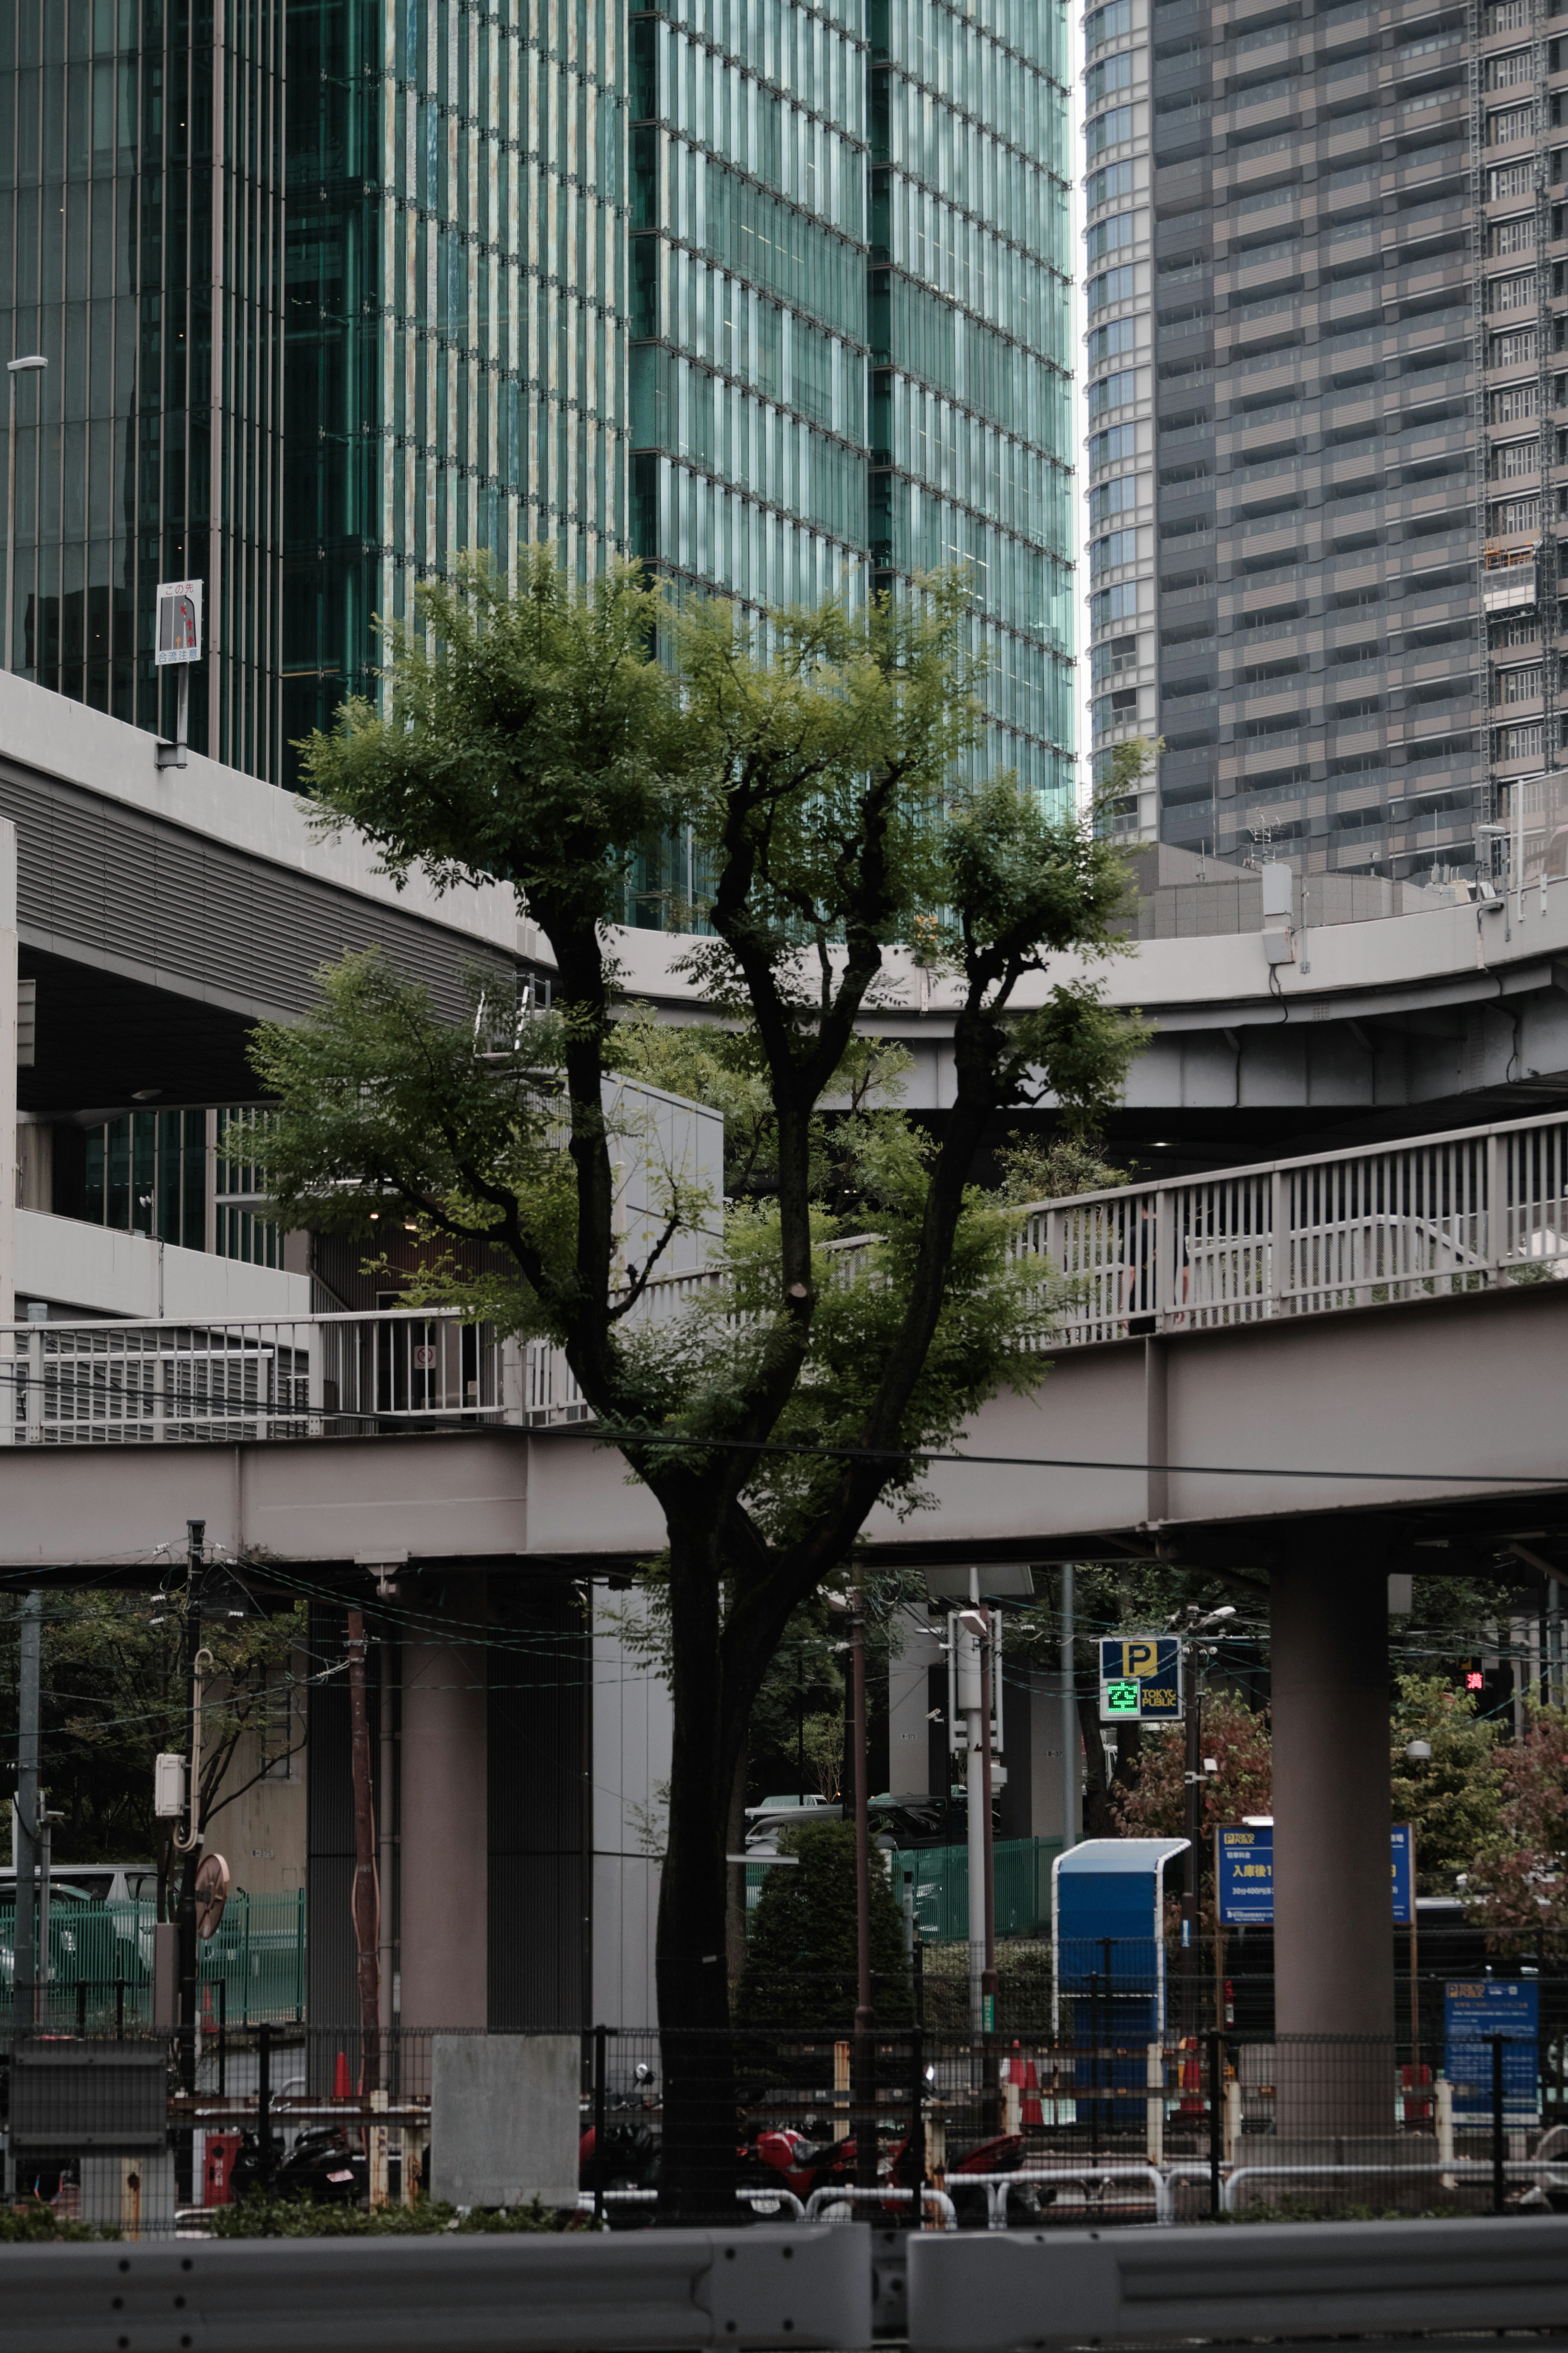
970, 328
456, 305
774, 295
140, 253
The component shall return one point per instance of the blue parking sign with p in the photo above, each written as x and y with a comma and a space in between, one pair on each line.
1139, 1679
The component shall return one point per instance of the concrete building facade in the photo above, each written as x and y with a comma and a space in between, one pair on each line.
1324, 368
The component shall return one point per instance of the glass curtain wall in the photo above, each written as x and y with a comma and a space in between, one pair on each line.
456, 347
971, 408
140, 254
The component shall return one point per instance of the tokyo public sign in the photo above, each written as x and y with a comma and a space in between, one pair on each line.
1140, 1679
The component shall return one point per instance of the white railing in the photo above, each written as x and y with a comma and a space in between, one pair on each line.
1466, 1211
1477, 1210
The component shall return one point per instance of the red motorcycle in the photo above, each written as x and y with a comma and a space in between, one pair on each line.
783, 2157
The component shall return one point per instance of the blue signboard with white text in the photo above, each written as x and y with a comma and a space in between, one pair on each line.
1477, 2013
1244, 1861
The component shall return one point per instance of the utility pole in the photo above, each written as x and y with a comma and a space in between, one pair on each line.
974, 1684
26, 1984
365, 1903
865, 2087
1190, 1624
190, 1842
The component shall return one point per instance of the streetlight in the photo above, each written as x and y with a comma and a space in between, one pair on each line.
31, 366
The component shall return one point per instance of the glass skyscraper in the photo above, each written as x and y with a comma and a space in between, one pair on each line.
141, 220
850, 335
772, 295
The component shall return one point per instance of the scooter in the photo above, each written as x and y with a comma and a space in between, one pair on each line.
321, 2166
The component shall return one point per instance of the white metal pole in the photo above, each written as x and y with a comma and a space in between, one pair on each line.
1071, 1790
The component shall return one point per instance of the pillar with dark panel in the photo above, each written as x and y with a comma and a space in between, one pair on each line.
493, 1782
1333, 1946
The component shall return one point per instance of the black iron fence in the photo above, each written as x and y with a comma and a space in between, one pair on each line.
911, 2127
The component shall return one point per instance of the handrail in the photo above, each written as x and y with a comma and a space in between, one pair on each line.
1463, 1211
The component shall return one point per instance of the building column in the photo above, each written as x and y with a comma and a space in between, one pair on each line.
443, 1823
1333, 1948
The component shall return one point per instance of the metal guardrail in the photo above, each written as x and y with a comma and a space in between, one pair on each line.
653, 2291
986, 2293
1471, 1210
1454, 2283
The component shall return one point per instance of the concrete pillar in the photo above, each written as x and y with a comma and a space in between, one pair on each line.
443, 1874
1334, 1947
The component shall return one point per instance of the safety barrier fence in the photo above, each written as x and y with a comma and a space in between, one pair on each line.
101, 1964
135, 2132
1473, 1210
1457, 2284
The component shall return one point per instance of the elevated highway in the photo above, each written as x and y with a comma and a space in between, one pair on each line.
1375, 1333
1305, 1375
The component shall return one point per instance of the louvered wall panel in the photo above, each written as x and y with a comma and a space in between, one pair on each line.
98, 878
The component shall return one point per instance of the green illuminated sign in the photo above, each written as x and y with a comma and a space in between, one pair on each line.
1122, 1699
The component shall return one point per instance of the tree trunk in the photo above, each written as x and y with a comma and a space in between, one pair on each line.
1098, 1819
698, 2147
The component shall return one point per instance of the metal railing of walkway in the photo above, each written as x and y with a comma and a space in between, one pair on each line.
1475, 1209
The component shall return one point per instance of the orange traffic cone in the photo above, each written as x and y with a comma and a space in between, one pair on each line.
1032, 2113
340, 2089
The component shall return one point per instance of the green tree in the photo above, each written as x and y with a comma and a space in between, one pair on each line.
112, 1694
818, 767
1451, 1800
802, 1959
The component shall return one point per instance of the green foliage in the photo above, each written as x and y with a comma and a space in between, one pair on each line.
1452, 1800
113, 1694
801, 1961
1033, 1170
818, 761
31, 2224
257, 2216
529, 736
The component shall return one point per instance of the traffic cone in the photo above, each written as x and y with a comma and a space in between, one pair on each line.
1031, 2111
341, 2090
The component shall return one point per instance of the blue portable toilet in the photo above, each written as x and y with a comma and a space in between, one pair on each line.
1108, 1933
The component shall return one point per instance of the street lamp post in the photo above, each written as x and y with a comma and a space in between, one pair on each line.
32, 366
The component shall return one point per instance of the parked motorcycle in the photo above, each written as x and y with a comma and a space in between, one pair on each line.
321, 2166
783, 2157
627, 2159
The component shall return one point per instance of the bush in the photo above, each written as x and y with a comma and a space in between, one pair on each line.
259, 2216
33, 2223
801, 1968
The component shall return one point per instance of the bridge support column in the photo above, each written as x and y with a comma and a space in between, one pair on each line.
1333, 1952
444, 1819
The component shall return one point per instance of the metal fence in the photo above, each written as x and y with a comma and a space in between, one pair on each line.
1467, 1211
101, 1964
956, 2132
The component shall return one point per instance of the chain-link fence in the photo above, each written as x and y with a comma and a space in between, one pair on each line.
146, 2135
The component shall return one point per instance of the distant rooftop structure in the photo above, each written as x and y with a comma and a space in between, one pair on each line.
1185, 894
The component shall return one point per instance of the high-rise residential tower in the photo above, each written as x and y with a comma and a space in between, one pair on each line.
1323, 384
775, 297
